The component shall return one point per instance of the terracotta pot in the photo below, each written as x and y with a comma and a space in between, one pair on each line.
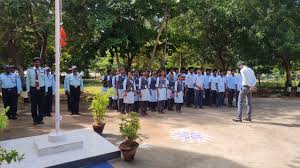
99, 128
128, 150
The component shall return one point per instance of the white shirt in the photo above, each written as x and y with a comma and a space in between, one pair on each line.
239, 82
190, 80
221, 83
198, 81
248, 77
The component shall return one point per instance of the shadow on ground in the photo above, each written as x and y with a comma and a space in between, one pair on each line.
159, 157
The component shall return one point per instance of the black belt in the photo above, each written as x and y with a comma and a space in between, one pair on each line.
35, 87
246, 86
9, 89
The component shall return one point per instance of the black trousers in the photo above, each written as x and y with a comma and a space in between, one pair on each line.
152, 106
207, 97
69, 102
178, 107
237, 98
128, 108
75, 99
190, 96
115, 105
121, 106
230, 96
110, 104
37, 98
170, 104
143, 106
213, 97
136, 106
49, 100
10, 99
161, 106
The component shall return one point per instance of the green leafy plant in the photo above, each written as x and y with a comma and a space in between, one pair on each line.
3, 118
7, 156
129, 127
99, 106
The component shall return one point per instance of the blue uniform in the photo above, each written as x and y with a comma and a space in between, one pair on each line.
50, 93
51, 83
75, 87
36, 84
11, 86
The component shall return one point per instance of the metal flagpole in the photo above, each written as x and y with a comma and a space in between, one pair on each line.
57, 135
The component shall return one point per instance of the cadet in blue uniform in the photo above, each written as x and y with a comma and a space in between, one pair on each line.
170, 91
11, 87
161, 85
213, 85
136, 79
75, 88
144, 92
153, 91
129, 91
36, 83
69, 72
231, 87
198, 83
50, 93
120, 90
178, 99
206, 87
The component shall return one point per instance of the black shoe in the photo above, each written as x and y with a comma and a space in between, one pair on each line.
248, 119
72, 114
77, 114
41, 122
49, 115
35, 123
237, 120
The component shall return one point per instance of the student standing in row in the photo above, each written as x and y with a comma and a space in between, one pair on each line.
69, 72
153, 91
75, 88
198, 84
144, 92
190, 87
178, 99
114, 88
129, 89
231, 87
36, 82
170, 91
136, 79
161, 85
221, 88
11, 88
51, 91
213, 86
207, 87
120, 90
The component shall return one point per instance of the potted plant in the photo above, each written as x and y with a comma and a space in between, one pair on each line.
129, 128
99, 108
5, 155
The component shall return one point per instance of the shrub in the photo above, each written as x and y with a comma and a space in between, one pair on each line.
129, 127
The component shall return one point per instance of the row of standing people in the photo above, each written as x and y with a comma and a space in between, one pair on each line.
159, 90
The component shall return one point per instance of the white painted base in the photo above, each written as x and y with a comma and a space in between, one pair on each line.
95, 149
46, 147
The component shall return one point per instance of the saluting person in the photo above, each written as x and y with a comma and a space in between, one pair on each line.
129, 91
144, 92
75, 88
51, 91
36, 83
11, 87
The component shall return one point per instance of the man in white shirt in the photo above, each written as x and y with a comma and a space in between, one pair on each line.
198, 83
248, 83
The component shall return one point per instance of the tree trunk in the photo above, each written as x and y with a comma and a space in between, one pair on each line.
17, 60
221, 59
287, 67
43, 53
117, 59
129, 61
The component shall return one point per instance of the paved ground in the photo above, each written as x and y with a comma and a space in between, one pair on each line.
272, 140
